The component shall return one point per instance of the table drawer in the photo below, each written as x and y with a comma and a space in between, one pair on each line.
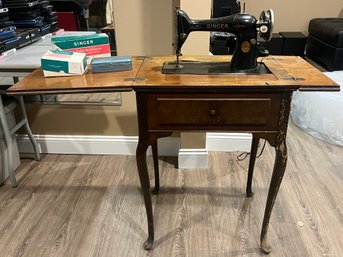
183, 111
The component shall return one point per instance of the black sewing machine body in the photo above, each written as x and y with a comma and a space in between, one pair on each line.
244, 26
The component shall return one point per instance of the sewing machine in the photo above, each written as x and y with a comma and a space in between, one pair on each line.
245, 27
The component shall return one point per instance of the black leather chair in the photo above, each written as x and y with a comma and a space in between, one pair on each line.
325, 42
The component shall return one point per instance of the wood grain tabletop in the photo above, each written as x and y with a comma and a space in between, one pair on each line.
291, 72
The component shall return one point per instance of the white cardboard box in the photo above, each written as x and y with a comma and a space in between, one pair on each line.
60, 63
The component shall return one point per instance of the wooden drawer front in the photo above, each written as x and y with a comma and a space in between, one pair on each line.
213, 111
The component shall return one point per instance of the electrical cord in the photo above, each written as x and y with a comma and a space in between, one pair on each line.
244, 155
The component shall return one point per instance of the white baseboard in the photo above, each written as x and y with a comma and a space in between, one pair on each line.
216, 142
228, 142
121, 145
126, 145
192, 158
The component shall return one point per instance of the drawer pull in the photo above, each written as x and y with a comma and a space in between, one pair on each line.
212, 112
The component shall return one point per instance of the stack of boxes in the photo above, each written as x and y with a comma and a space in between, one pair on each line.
70, 54
49, 15
8, 40
4, 18
25, 21
32, 14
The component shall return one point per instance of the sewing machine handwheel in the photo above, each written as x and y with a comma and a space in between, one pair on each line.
266, 24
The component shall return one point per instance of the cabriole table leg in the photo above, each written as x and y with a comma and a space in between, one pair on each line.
279, 167
145, 185
278, 172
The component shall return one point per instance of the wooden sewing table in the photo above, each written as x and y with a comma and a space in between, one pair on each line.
258, 104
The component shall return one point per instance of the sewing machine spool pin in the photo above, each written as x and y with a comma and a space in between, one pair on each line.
178, 66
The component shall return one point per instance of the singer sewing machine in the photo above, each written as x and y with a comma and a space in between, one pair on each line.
247, 30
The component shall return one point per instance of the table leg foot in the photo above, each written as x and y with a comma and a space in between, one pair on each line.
265, 246
156, 190
250, 194
148, 244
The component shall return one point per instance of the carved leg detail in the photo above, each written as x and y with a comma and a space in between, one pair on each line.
278, 172
145, 185
253, 152
156, 168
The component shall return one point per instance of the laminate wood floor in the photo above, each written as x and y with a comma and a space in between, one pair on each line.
73, 205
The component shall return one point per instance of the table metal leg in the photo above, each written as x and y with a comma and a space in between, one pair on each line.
145, 185
7, 160
28, 129
253, 152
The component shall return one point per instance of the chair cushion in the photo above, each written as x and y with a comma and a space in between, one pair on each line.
330, 30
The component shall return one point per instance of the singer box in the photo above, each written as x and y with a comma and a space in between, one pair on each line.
94, 45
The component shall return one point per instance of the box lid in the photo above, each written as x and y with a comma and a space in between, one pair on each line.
80, 41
